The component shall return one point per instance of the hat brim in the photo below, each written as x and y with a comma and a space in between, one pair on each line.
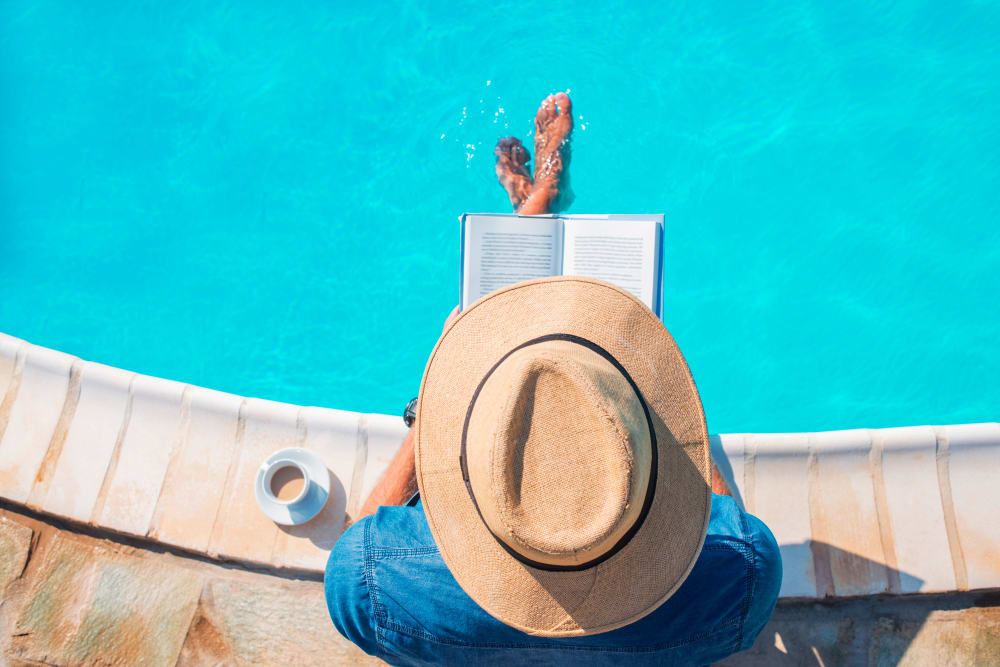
647, 570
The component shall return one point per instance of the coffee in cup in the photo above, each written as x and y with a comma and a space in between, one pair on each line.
286, 482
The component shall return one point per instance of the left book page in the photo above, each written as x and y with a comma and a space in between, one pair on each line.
498, 251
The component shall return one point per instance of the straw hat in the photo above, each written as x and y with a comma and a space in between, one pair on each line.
562, 457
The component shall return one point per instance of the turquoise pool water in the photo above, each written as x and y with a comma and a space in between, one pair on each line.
262, 197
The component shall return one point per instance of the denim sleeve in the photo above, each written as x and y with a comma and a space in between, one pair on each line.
346, 586
767, 579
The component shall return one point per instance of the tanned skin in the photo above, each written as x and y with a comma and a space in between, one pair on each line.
529, 195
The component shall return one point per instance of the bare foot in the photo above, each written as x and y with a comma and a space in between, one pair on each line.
553, 125
512, 170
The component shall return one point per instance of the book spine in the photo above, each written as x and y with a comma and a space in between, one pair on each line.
658, 298
461, 265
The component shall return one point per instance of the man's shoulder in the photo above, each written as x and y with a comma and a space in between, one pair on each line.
730, 522
390, 592
737, 540
737, 532
736, 543
390, 529
399, 528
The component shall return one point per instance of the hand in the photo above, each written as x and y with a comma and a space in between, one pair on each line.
451, 318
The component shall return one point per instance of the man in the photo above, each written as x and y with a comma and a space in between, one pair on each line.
566, 513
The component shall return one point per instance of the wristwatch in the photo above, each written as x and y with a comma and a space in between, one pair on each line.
410, 412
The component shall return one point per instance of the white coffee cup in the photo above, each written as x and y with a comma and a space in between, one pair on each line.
277, 488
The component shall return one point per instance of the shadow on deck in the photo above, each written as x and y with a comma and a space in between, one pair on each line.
956, 628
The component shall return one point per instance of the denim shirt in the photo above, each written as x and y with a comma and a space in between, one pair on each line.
389, 591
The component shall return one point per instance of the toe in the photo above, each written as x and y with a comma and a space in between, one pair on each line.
519, 153
562, 103
511, 150
546, 111
503, 147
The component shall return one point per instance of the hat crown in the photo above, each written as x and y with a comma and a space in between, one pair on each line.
559, 453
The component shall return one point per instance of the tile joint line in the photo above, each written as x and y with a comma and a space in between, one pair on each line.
943, 460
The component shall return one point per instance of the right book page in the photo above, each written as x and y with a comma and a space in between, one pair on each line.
624, 252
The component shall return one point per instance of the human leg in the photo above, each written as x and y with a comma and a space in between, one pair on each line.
553, 126
512, 169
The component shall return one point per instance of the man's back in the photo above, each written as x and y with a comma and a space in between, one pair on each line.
389, 591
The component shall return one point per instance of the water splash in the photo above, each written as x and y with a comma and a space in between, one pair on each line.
468, 133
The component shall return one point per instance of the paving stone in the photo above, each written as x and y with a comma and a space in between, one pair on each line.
945, 637
844, 515
909, 471
333, 434
32, 420
192, 491
974, 471
242, 530
8, 362
71, 489
205, 645
150, 439
95, 605
776, 484
15, 546
952, 629
385, 435
278, 623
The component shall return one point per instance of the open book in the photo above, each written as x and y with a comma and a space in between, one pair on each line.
499, 250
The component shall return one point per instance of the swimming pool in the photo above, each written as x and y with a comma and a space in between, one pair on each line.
264, 200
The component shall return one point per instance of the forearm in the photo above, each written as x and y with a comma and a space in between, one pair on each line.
719, 484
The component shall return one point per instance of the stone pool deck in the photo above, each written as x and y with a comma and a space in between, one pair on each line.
130, 531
